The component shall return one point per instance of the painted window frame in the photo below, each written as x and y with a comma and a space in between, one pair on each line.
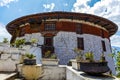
50, 27
80, 43
103, 45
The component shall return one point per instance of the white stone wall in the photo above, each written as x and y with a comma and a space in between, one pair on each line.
12, 56
54, 73
37, 36
9, 58
35, 50
65, 42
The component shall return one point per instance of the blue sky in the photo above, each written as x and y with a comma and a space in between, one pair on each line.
12, 9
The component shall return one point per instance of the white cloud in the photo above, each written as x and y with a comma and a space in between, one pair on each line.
65, 4
6, 2
49, 7
80, 6
3, 32
109, 9
115, 40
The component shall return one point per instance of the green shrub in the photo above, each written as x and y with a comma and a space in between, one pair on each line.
19, 42
5, 40
47, 54
79, 53
53, 56
50, 55
89, 56
30, 56
118, 75
33, 40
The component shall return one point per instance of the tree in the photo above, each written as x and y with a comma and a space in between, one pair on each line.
5, 40
116, 56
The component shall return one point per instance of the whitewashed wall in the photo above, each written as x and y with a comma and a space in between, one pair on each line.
65, 42
12, 56
37, 36
9, 58
35, 50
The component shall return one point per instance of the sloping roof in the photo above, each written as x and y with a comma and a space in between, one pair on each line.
107, 24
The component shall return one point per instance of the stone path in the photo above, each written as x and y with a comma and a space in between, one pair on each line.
5, 75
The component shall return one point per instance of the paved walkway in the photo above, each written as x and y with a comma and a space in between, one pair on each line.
5, 75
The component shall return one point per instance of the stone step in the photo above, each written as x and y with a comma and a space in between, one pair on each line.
7, 75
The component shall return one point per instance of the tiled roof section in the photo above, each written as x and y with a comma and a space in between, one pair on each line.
107, 24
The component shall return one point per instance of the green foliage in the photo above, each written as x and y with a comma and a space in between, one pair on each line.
118, 75
12, 44
79, 54
102, 58
5, 40
53, 56
30, 56
47, 54
19, 42
50, 55
89, 56
116, 55
118, 60
33, 40
77, 51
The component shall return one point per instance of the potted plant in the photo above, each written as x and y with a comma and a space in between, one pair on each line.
19, 43
27, 43
50, 59
34, 41
90, 66
31, 71
79, 57
89, 57
102, 58
29, 59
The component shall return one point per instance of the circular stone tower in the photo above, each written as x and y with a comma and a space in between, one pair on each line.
61, 32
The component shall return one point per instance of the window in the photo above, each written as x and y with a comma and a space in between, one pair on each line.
80, 43
22, 31
103, 46
49, 27
34, 25
79, 28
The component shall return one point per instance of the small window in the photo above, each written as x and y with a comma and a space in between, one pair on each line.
22, 31
34, 25
79, 28
103, 46
80, 43
49, 27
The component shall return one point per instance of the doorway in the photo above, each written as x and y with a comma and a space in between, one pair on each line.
48, 45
